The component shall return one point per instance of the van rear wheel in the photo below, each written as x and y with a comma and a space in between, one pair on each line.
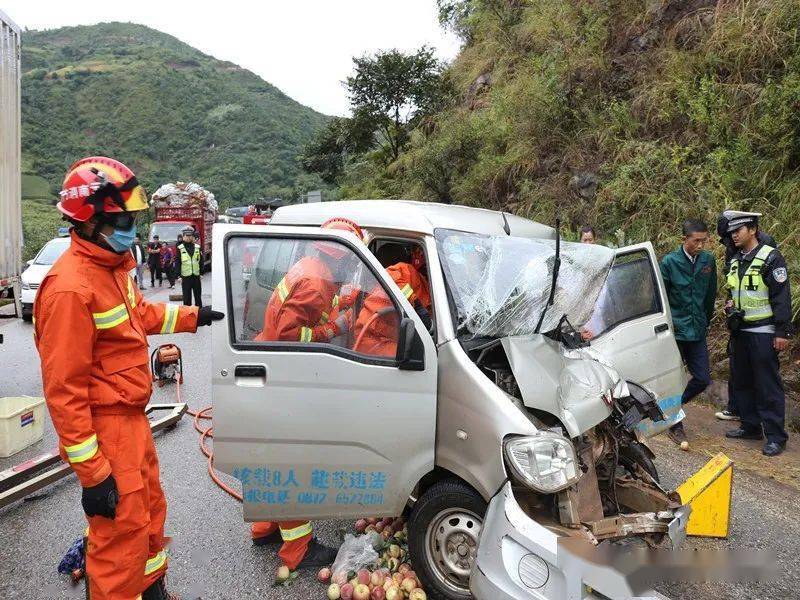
443, 538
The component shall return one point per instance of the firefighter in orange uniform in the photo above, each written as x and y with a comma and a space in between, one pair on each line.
299, 310
91, 325
376, 328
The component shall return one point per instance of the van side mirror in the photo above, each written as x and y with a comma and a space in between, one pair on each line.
410, 350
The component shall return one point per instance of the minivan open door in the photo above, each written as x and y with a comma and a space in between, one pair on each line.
632, 328
318, 429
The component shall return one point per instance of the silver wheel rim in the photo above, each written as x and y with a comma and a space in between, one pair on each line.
452, 541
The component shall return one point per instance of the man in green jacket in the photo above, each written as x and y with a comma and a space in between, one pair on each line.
690, 276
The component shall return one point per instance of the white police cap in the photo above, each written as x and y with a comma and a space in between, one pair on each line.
740, 218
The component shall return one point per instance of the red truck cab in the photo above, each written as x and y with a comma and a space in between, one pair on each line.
172, 220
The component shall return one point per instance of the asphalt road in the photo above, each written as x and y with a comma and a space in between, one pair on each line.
211, 556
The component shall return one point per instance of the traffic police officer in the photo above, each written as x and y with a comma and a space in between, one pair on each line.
759, 317
191, 258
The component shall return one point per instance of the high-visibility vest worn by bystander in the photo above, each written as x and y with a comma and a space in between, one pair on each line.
190, 264
749, 291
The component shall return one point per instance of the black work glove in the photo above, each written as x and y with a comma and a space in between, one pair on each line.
101, 499
207, 315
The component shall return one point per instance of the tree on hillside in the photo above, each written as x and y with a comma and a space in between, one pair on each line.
393, 90
327, 153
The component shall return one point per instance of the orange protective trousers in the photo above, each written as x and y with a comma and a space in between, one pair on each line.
291, 552
126, 555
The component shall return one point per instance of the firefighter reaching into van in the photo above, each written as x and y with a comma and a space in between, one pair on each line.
376, 329
299, 310
91, 326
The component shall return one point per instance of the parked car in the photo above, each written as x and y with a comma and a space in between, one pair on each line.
497, 430
36, 270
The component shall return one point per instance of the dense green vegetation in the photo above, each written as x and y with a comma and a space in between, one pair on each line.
627, 114
167, 110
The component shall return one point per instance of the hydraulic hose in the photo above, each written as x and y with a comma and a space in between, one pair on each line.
204, 414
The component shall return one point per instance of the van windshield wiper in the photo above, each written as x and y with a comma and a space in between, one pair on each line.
556, 267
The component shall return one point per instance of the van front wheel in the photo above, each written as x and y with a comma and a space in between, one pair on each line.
443, 538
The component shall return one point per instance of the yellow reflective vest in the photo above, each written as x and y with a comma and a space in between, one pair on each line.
750, 292
190, 265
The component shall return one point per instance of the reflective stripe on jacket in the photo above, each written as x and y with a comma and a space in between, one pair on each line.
91, 332
190, 265
749, 291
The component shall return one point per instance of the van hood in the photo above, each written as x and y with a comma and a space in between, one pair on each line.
569, 384
35, 273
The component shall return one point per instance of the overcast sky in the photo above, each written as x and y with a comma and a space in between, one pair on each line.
304, 47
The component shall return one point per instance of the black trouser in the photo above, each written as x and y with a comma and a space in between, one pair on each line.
155, 271
191, 284
757, 385
732, 406
169, 271
695, 355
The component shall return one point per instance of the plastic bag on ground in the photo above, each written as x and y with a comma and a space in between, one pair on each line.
355, 553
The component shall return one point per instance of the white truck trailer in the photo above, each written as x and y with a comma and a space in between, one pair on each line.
10, 179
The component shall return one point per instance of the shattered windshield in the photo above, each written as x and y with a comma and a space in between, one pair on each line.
500, 284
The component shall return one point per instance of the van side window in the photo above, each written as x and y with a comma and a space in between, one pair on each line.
630, 292
297, 292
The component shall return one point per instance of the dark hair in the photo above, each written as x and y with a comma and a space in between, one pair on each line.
691, 226
155, 237
588, 229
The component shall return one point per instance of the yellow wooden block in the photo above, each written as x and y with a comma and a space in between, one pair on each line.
709, 493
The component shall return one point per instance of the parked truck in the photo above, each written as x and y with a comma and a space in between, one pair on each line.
10, 181
181, 205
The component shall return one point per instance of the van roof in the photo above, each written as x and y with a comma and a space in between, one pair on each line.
409, 215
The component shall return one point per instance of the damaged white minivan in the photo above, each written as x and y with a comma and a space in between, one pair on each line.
494, 426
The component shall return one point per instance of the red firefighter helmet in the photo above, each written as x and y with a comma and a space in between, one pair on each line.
98, 184
333, 249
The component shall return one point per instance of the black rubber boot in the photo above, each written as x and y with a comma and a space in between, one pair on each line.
318, 555
158, 591
273, 539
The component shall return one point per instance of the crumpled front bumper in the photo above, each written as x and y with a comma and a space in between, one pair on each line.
520, 559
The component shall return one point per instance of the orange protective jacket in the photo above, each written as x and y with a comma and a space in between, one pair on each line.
91, 325
380, 330
299, 309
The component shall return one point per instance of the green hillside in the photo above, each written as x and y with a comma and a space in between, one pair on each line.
164, 108
629, 115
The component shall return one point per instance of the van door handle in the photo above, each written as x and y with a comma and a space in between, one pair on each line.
661, 328
250, 371
250, 375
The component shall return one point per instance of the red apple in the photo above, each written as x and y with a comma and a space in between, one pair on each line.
347, 591
404, 568
398, 578
408, 585
361, 525
282, 574
377, 578
364, 577
394, 593
377, 593
324, 575
361, 592
379, 527
387, 520
372, 520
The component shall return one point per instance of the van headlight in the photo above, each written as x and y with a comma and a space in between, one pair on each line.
545, 461
25, 285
